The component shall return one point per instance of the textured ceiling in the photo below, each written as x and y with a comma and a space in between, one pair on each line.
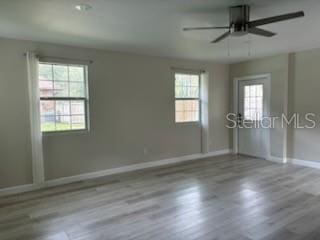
153, 27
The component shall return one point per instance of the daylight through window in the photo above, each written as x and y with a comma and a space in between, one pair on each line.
187, 97
253, 102
63, 97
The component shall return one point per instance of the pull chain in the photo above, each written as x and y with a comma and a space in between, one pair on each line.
249, 45
228, 46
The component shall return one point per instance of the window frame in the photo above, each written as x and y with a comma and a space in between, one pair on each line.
198, 122
85, 99
258, 117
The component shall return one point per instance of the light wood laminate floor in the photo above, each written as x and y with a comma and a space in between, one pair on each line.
225, 197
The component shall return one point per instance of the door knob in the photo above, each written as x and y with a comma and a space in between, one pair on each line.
239, 119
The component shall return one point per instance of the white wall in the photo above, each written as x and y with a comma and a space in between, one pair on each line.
131, 108
304, 97
301, 71
15, 146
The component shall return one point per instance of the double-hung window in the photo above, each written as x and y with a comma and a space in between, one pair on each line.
63, 97
187, 97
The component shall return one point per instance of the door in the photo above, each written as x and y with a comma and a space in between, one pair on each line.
253, 110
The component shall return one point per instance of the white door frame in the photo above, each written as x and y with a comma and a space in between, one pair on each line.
236, 82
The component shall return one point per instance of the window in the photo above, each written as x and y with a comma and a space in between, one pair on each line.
63, 97
253, 102
187, 97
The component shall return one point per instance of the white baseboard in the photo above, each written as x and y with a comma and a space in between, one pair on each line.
19, 189
134, 167
140, 166
107, 172
276, 159
304, 163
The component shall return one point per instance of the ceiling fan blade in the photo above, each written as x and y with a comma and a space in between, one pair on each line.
223, 36
261, 32
203, 28
279, 18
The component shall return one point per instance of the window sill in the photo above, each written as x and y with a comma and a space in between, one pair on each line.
188, 123
61, 133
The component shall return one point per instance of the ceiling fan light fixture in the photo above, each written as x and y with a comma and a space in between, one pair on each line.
238, 30
83, 7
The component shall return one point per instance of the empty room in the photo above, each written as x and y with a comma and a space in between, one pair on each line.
159, 120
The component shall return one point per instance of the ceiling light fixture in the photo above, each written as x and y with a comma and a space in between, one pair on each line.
83, 7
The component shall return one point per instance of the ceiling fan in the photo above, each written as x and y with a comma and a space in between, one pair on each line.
240, 23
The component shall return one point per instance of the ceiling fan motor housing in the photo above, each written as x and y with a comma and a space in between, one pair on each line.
239, 19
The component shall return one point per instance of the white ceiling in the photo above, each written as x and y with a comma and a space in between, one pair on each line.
153, 27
